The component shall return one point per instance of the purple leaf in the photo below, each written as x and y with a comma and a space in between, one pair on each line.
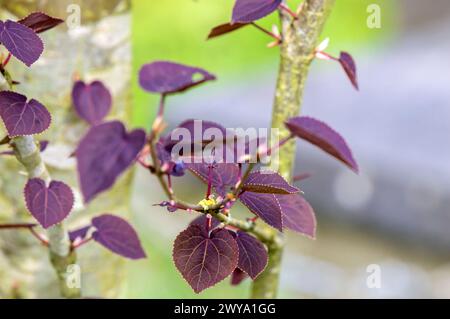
103, 154
117, 235
21, 41
92, 101
201, 141
266, 206
253, 256
79, 233
282, 211
189, 138
43, 145
268, 182
202, 221
349, 66
298, 215
49, 205
246, 11
223, 175
237, 277
168, 77
174, 167
40, 22
204, 260
323, 136
22, 117
225, 28
171, 207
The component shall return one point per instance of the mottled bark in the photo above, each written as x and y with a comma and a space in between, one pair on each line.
99, 49
28, 154
300, 38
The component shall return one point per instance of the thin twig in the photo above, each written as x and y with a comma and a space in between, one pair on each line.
43, 240
271, 34
8, 58
28, 226
288, 10
81, 243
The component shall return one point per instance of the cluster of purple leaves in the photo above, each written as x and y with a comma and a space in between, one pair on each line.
21, 38
107, 150
246, 12
53, 203
103, 154
208, 252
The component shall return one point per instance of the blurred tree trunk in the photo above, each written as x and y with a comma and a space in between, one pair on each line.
100, 48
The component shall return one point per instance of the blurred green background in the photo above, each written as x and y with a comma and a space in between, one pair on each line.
176, 30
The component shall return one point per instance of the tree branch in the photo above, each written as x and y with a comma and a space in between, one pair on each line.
27, 152
300, 37
264, 234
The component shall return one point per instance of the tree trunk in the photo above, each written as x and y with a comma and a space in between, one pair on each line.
99, 48
300, 38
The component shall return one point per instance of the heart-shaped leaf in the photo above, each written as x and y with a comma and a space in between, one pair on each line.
92, 101
49, 205
266, 206
21, 41
349, 66
117, 235
268, 182
103, 154
223, 175
167, 77
246, 11
253, 256
237, 277
40, 22
22, 117
204, 260
323, 136
282, 211
224, 29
